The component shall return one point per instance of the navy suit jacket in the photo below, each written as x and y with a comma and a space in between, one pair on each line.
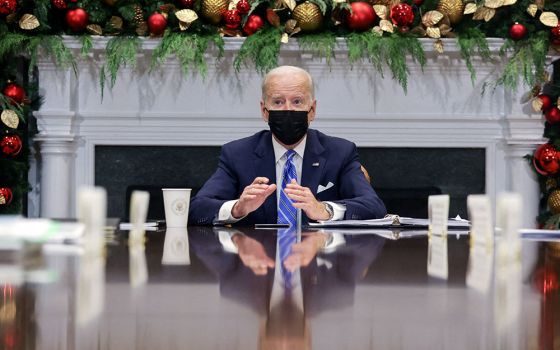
326, 159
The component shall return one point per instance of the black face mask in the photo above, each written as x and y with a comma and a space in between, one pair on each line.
288, 126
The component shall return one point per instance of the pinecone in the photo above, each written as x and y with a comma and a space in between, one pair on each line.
308, 16
59, 4
138, 14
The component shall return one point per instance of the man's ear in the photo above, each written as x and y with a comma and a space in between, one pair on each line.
311, 114
264, 113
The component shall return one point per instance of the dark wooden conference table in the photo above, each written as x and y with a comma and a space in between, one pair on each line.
183, 290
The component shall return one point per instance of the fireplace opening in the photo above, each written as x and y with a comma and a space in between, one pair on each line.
402, 177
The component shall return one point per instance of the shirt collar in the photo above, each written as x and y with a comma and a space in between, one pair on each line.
280, 150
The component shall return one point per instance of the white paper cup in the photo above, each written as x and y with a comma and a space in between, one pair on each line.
176, 203
176, 247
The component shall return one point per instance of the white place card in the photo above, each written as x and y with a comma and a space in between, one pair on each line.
90, 288
438, 212
480, 215
92, 212
437, 257
138, 266
479, 269
139, 202
508, 285
508, 223
481, 253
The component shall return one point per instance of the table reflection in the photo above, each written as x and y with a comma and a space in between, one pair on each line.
323, 272
224, 288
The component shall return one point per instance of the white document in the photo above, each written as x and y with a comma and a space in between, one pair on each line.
390, 221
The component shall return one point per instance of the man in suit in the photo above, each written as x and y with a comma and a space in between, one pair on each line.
325, 179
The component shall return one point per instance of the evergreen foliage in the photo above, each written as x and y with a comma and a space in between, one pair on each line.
121, 51
262, 48
189, 49
321, 44
391, 51
473, 42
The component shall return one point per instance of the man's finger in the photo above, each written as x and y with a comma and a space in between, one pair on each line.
260, 180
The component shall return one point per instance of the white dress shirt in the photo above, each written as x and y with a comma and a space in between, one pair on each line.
224, 215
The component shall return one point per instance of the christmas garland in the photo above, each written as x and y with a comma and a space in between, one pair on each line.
383, 32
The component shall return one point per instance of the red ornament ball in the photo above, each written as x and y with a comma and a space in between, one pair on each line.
59, 4
546, 101
243, 7
253, 24
11, 145
517, 31
7, 7
362, 16
6, 195
402, 15
15, 92
77, 19
552, 115
188, 4
546, 280
157, 23
232, 18
555, 35
545, 159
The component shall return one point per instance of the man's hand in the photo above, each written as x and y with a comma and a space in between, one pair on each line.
303, 252
253, 197
304, 199
252, 254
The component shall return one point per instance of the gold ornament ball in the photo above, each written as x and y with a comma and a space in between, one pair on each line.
308, 16
212, 10
554, 201
453, 9
551, 183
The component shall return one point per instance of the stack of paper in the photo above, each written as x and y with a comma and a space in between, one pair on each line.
390, 221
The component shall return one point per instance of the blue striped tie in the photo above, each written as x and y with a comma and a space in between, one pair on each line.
286, 238
287, 214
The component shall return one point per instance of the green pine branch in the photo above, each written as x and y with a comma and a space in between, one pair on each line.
391, 51
54, 46
262, 48
321, 44
121, 51
87, 45
12, 43
189, 49
526, 62
472, 41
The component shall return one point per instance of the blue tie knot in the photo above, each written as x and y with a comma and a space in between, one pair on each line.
290, 154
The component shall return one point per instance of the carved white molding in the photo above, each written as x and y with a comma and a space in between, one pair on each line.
442, 108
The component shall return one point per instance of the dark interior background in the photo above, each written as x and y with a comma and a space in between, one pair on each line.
403, 177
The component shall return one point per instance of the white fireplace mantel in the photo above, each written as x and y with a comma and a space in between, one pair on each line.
441, 109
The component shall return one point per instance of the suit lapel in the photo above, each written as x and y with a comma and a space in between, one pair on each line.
313, 162
265, 166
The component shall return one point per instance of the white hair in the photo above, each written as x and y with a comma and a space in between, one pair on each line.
283, 70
